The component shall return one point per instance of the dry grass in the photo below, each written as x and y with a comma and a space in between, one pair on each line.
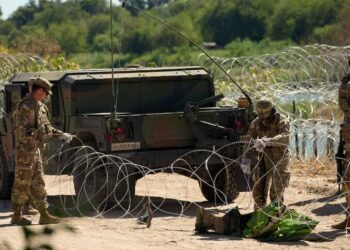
313, 168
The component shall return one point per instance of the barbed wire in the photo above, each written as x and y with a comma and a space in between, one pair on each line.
300, 80
12, 64
103, 183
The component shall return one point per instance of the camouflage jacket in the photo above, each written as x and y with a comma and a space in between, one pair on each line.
278, 131
31, 123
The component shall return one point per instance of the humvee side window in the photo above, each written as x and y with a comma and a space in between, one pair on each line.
86, 91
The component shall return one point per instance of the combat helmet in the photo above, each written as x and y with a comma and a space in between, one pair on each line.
264, 108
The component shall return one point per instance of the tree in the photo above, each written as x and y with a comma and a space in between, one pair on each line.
155, 3
136, 36
53, 12
42, 46
229, 20
93, 6
7, 31
24, 15
98, 24
140, 4
297, 19
70, 35
165, 37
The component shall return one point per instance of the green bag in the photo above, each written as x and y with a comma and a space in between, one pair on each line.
275, 223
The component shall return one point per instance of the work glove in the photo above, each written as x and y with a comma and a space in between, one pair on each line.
66, 137
267, 141
246, 165
259, 145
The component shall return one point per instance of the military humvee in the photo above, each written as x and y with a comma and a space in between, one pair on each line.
162, 114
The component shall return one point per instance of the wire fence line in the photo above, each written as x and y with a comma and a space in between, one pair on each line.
303, 82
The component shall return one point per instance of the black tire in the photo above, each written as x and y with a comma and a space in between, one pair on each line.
89, 181
6, 178
219, 185
98, 186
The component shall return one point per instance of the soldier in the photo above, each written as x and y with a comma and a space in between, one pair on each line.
32, 128
345, 172
270, 132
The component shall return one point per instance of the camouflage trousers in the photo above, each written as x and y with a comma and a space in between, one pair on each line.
29, 181
346, 165
346, 181
273, 177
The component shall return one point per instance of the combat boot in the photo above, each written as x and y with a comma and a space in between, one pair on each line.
208, 221
342, 225
46, 218
17, 217
28, 209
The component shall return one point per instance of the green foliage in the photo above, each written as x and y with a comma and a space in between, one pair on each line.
93, 6
70, 35
166, 37
136, 36
144, 5
169, 57
61, 63
101, 43
247, 47
297, 19
56, 13
239, 27
100, 60
229, 20
24, 15
97, 25
324, 33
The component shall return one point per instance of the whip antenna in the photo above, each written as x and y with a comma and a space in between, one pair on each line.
112, 56
113, 120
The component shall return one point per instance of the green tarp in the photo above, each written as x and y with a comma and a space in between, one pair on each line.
274, 223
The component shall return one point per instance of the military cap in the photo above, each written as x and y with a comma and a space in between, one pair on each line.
263, 108
42, 82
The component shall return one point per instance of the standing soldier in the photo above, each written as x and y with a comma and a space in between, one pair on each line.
345, 172
270, 131
32, 128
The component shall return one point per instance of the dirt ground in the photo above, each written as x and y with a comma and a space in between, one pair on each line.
177, 199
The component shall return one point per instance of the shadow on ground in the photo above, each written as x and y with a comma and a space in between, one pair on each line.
65, 206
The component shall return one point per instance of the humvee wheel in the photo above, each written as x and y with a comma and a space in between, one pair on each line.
6, 178
89, 181
219, 185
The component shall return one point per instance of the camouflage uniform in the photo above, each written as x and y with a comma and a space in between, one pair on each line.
275, 159
32, 128
344, 104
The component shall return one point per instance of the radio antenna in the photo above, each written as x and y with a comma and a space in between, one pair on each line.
113, 120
